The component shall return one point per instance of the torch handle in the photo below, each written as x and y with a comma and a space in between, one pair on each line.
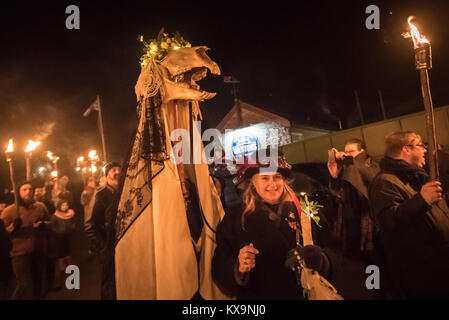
11, 176
28, 167
430, 125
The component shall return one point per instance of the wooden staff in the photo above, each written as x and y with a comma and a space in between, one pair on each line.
11, 175
28, 165
423, 62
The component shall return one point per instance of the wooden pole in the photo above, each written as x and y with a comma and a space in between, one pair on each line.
423, 63
359, 108
100, 119
28, 165
430, 125
381, 99
13, 183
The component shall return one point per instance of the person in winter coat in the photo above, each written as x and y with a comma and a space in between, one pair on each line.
63, 225
60, 190
48, 244
412, 220
99, 229
254, 238
352, 171
87, 198
5, 260
23, 225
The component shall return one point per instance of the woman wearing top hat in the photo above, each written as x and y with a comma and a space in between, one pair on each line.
253, 239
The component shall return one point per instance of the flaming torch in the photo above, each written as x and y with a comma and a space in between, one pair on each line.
93, 157
54, 160
30, 147
423, 63
8, 153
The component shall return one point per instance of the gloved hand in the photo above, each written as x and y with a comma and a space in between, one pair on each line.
17, 223
315, 259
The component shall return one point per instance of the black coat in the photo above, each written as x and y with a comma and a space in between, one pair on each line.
5, 248
270, 279
95, 226
351, 191
413, 242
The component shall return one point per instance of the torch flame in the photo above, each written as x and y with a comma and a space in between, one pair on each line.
414, 34
10, 146
32, 145
93, 155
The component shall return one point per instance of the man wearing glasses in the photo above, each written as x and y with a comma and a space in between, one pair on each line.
413, 227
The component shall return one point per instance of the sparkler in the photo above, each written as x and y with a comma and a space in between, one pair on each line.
423, 63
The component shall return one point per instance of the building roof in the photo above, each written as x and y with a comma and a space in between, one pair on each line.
250, 115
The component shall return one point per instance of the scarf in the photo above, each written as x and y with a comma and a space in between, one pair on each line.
410, 174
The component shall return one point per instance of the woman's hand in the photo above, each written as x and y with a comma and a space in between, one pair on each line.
247, 258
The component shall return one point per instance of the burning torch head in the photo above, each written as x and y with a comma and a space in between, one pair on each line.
9, 150
423, 52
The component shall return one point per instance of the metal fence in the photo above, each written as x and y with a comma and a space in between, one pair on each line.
373, 134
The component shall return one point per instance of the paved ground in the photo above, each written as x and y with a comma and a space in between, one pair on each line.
89, 266
90, 274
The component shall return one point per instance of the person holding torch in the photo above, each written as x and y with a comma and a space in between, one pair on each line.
22, 221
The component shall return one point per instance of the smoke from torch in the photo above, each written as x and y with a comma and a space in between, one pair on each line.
44, 131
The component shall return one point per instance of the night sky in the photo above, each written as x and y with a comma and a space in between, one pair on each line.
302, 60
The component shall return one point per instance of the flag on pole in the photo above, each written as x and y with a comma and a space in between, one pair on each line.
94, 106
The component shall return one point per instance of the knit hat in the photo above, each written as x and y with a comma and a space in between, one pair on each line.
111, 165
24, 183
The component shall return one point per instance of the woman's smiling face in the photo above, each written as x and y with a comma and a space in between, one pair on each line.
269, 186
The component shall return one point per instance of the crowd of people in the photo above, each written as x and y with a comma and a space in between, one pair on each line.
36, 236
388, 214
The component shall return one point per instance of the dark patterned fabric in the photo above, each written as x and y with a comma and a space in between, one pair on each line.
145, 161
